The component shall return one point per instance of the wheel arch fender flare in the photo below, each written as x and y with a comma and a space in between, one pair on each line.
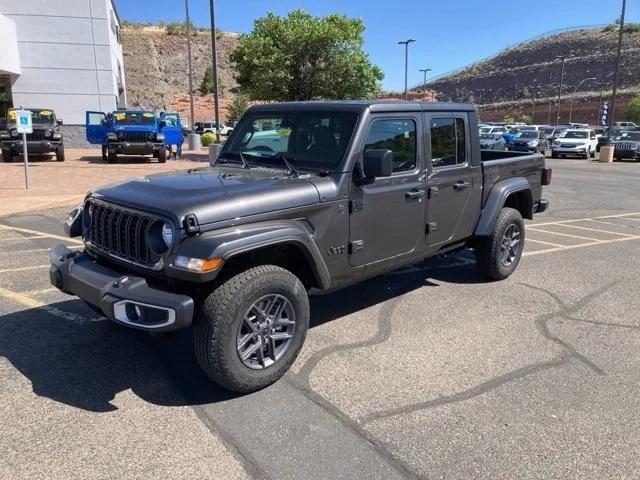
497, 199
229, 243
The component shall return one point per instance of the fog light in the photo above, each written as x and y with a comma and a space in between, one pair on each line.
198, 264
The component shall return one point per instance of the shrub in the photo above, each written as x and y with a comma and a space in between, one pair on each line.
207, 139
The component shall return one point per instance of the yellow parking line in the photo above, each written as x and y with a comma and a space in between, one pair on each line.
563, 234
559, 222
21, 269
36, 232
29, 302
597, 230
580, 245
540, 241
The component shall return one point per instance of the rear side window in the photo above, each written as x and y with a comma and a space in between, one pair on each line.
397, 135
448, 142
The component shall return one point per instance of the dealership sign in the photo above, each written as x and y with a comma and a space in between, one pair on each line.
605, 114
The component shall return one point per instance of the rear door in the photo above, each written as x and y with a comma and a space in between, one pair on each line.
451, 180
97, 128
388, 216
172, 128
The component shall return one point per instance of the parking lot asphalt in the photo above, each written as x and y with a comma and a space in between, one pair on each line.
427, 372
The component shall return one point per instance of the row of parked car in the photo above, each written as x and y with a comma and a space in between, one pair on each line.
563, 140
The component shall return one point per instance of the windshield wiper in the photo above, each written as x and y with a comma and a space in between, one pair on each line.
243, 159
292, 170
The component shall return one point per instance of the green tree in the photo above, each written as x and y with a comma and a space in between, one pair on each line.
237, 107
526, 119
301, 57
206, 86
633, 110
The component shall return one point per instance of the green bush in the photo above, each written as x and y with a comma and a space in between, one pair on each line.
207, 139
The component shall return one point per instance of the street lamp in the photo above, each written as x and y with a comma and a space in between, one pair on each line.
564, 59
424, 84
617, 70
573, 95
533, 107
406, 65
214, 60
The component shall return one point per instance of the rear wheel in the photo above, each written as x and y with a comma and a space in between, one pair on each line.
251, 328
497, 255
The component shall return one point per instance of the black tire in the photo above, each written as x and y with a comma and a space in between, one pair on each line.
60, 154
105, 154
554, 155
162, 155
588, 154
489, 249
593, 154
6, 155
112, 156
221, 315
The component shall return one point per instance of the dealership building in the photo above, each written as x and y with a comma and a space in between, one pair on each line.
65, 55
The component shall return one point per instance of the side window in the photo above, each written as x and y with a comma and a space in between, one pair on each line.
448, 142
96, 118
397, 135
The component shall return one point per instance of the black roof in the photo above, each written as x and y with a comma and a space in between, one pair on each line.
361, 105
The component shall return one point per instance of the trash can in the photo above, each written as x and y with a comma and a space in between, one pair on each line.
194, 142
606, 154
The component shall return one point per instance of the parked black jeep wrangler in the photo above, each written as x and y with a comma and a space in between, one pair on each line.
46, 137
334, 193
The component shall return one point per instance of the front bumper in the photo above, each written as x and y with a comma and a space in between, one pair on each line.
123, 298
33, 146
523, 148
135, 148
569, 150
626, 153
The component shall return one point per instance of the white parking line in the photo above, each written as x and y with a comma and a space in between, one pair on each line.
36, 232
621, 215
21, 269
609, 223
579, 245
563, 234
597, 230
527, 239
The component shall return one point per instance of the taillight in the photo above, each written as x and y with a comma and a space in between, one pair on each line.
546, 175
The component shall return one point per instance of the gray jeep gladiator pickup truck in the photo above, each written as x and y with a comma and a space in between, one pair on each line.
305, 197
46, 137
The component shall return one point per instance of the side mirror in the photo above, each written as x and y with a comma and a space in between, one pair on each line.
377, 163
59, 121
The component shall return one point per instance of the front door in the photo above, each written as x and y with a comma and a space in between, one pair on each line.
387, 217
172, 128
97, 128
451, 180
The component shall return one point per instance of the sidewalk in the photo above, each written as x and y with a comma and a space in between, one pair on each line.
55, 184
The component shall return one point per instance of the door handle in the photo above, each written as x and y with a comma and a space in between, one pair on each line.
461, 185
414, 194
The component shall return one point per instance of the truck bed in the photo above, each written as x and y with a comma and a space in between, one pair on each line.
498, 166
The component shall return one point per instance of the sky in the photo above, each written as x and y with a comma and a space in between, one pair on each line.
449, 34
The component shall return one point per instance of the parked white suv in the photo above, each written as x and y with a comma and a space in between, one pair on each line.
580, 142
626, 124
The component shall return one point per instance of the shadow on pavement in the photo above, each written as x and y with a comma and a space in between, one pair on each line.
86, 364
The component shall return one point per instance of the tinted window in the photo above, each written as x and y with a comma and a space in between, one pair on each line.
448, 141
397, 135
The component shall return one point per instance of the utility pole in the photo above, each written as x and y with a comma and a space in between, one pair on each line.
191, 108
600, 103
560, 90
533, 107
214, 60
406, 65
424, 83
616, 77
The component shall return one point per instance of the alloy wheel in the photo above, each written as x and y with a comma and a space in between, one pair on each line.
510, 244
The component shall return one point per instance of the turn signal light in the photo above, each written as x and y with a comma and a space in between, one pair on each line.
198, 264
546, 176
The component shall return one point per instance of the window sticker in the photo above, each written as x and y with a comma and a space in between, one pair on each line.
147, 114
120, 116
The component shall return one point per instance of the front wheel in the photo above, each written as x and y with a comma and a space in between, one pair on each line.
105, 154
60, 153
112, 156
497, 255
251, 328
162, 155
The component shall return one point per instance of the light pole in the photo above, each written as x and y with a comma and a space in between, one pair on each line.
616, 77
424, 83
564, 59
214, 60
533, 107
406, 66
600, 103
573, 95
191, 107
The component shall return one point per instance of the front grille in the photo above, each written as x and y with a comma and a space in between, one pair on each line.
625, 146
121, 233
568, 145
36, 135
138, 137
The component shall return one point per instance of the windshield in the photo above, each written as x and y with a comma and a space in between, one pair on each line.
37, 115
574, 134
489, 136
307, 139
134, 118
529, 134
631, 136
486, 129
171, 119
547, 131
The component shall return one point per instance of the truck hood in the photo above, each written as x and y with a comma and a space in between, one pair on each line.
212, 194
135, 128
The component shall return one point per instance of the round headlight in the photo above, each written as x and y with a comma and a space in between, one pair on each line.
167, 234
120, 135
48, 133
